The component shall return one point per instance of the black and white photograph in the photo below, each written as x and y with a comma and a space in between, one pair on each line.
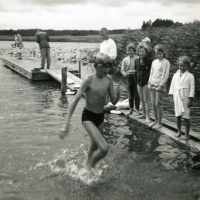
99, 100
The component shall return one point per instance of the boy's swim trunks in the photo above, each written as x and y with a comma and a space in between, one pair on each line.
96, 118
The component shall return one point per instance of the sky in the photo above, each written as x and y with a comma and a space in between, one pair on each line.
93, 14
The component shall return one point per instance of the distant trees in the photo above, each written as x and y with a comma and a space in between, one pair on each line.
31, 32
162, 22
146, 25
159, 23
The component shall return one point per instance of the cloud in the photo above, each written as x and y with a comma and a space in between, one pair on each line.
114, 3
107, 2
91, 16
15, 6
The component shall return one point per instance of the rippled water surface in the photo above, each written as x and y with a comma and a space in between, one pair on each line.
35, 164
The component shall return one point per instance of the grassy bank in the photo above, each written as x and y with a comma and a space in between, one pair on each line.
61, 38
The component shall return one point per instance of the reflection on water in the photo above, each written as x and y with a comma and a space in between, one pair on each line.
36, 164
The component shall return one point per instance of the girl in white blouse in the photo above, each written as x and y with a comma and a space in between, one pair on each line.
157, 85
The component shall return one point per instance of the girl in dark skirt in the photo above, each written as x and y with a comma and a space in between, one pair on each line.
143, 67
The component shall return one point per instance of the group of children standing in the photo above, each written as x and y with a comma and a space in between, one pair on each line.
146, 79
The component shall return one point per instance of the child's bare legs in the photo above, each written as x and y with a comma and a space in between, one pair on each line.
140, 92
146, 95
98, 146
178, 121
159, 108
187, 128
153, 99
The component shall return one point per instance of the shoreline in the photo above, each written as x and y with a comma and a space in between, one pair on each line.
55, 40
62, 38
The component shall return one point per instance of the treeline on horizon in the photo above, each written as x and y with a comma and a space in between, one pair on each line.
160, 23
51, 32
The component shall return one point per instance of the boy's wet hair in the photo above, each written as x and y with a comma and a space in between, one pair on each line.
102, 59
15, 32
131, 46
185, 59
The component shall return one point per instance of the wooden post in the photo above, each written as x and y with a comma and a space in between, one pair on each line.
79, 64
64, 80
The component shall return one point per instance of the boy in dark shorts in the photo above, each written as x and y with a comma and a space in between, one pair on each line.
95, 88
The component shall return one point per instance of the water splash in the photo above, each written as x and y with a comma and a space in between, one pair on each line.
71, 162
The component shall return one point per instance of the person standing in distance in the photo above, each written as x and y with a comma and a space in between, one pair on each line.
19, 44
108, 47
43, 39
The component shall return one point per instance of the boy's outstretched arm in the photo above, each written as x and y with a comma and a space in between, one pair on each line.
114, 95
73, 105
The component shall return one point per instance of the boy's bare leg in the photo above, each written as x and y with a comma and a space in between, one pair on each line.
178, 121
187, 128
97, 138
93, 147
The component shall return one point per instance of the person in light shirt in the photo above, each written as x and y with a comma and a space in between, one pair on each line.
157, 84
108, 46
129, 72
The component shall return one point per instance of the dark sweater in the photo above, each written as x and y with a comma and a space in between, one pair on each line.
42, 38
143, 70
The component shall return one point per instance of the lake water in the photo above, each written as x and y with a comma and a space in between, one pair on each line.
35, 164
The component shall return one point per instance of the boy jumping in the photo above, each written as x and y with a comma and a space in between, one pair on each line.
95, 87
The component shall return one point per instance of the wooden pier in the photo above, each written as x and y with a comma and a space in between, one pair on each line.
73, 82
25, 68
169, 128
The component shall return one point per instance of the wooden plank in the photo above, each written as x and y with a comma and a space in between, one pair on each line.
24, 67
53, 65
22, 63
18, 69
166, 131
56, 74
171, 125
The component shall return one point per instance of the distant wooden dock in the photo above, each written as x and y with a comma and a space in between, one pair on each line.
25, 68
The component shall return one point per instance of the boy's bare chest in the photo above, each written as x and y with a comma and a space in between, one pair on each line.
99, 88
